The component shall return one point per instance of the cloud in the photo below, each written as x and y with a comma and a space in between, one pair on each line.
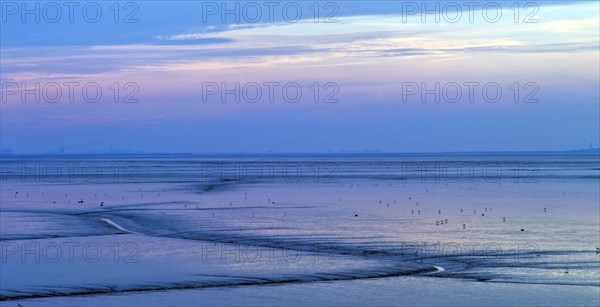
360, 39
196, 41
572, 25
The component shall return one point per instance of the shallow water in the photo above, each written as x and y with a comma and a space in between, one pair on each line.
79, 227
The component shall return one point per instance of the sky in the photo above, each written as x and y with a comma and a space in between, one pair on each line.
299, 76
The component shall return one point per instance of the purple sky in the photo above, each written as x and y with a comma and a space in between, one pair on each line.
370, 76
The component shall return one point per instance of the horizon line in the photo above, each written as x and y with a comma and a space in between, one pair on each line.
3, 153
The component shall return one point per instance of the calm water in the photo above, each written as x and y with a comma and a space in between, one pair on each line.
86, 226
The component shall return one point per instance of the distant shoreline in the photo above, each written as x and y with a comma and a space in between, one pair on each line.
579, 152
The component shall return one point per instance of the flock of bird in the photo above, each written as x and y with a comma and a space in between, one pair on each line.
438, 222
